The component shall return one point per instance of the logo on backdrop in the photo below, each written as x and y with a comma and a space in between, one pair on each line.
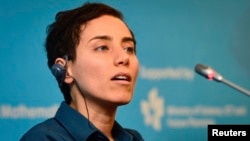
153, 109
198, 116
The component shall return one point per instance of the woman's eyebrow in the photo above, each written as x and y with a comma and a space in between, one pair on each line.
102, 37
108, 38
128, 39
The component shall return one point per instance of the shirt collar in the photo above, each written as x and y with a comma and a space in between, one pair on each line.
74, 122
120, 133
80, 128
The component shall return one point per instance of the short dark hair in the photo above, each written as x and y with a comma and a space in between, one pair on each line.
63, 35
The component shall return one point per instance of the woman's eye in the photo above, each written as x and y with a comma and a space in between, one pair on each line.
101, 48
130, 49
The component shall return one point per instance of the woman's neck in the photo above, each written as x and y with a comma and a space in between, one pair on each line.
101, 117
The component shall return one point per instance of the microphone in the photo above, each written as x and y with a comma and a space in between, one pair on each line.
211, 74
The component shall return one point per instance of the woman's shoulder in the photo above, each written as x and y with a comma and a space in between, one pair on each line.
42, 131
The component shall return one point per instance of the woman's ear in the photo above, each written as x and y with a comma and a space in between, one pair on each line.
61, 61
67, 65
69, 77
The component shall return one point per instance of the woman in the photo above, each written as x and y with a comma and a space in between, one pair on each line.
92, 53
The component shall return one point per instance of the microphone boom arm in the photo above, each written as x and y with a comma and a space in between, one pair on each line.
237, 87
211, 74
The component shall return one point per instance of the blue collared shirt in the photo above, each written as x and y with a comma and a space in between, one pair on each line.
70, 125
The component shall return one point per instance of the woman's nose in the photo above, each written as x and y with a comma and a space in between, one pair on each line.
121, 57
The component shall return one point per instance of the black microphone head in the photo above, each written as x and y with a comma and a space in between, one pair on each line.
202, 70
208, 72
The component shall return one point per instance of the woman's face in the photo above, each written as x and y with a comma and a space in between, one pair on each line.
106, 66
